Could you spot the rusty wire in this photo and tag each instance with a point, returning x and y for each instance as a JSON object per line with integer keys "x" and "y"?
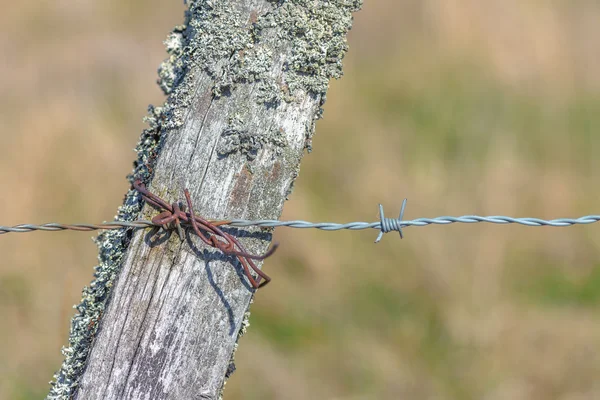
{"x": 208, "y": 231}
{"x": 172, "y": 217}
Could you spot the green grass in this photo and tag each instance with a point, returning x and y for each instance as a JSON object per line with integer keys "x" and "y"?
{"x": 287, "y": 331}
{"x": 553, "y": 287}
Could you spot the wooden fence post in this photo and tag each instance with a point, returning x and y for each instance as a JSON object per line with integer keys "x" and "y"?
{"x": 246, "y": 80}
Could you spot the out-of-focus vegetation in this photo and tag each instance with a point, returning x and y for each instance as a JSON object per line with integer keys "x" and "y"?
{"x": 468, "y": 107}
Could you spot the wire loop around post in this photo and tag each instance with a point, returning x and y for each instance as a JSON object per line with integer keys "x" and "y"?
{"x": 172, "y": 216}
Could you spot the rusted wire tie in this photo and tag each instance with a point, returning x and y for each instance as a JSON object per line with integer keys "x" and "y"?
{"x": 172, "y": 217}
{"x": 208, "y": 231}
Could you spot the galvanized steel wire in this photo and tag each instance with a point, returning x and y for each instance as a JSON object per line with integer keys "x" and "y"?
{"x": 384, "y": 225}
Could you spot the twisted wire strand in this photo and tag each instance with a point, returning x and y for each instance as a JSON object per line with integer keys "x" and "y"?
{"x": 445, "y": 220}
{"x": 384, "y": 225}
{"x": 53, "y": 227}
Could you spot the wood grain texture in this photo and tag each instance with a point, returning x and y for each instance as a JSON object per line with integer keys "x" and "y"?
{"x": 241, "y": 112}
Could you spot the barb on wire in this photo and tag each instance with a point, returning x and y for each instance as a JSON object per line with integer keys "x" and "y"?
{"x": 174, "y": 216}
{"x": 385, "y": 225}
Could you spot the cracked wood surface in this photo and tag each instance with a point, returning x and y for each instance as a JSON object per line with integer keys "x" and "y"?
{"x": 171, "y": 325}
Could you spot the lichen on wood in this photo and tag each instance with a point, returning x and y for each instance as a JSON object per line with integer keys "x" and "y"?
{"x": 245, "y": 80}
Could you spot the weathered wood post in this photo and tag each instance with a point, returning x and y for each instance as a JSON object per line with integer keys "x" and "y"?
{"x": 246, "y": 80}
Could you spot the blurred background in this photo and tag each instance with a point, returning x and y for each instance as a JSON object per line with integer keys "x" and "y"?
{"x": 464, "y": 107}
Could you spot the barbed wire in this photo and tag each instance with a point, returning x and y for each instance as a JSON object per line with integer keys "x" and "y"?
{"x": 384, "y": 225}
{"x": 53, "y": 227}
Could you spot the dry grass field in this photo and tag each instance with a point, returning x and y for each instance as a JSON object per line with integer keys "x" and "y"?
{"x": 464, "y": 107}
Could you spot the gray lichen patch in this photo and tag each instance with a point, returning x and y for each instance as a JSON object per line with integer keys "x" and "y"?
{"x": 270, "y": 93}
{"x": 176, "y": 77}
{"x": 219, "y": 33}
{"x": 317, "y": 30}
{"x": 172, "y": 68}
{"x": 309, "y": 35}
{"x": 246, "y": 66}
{"x": 239, "y": 139}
